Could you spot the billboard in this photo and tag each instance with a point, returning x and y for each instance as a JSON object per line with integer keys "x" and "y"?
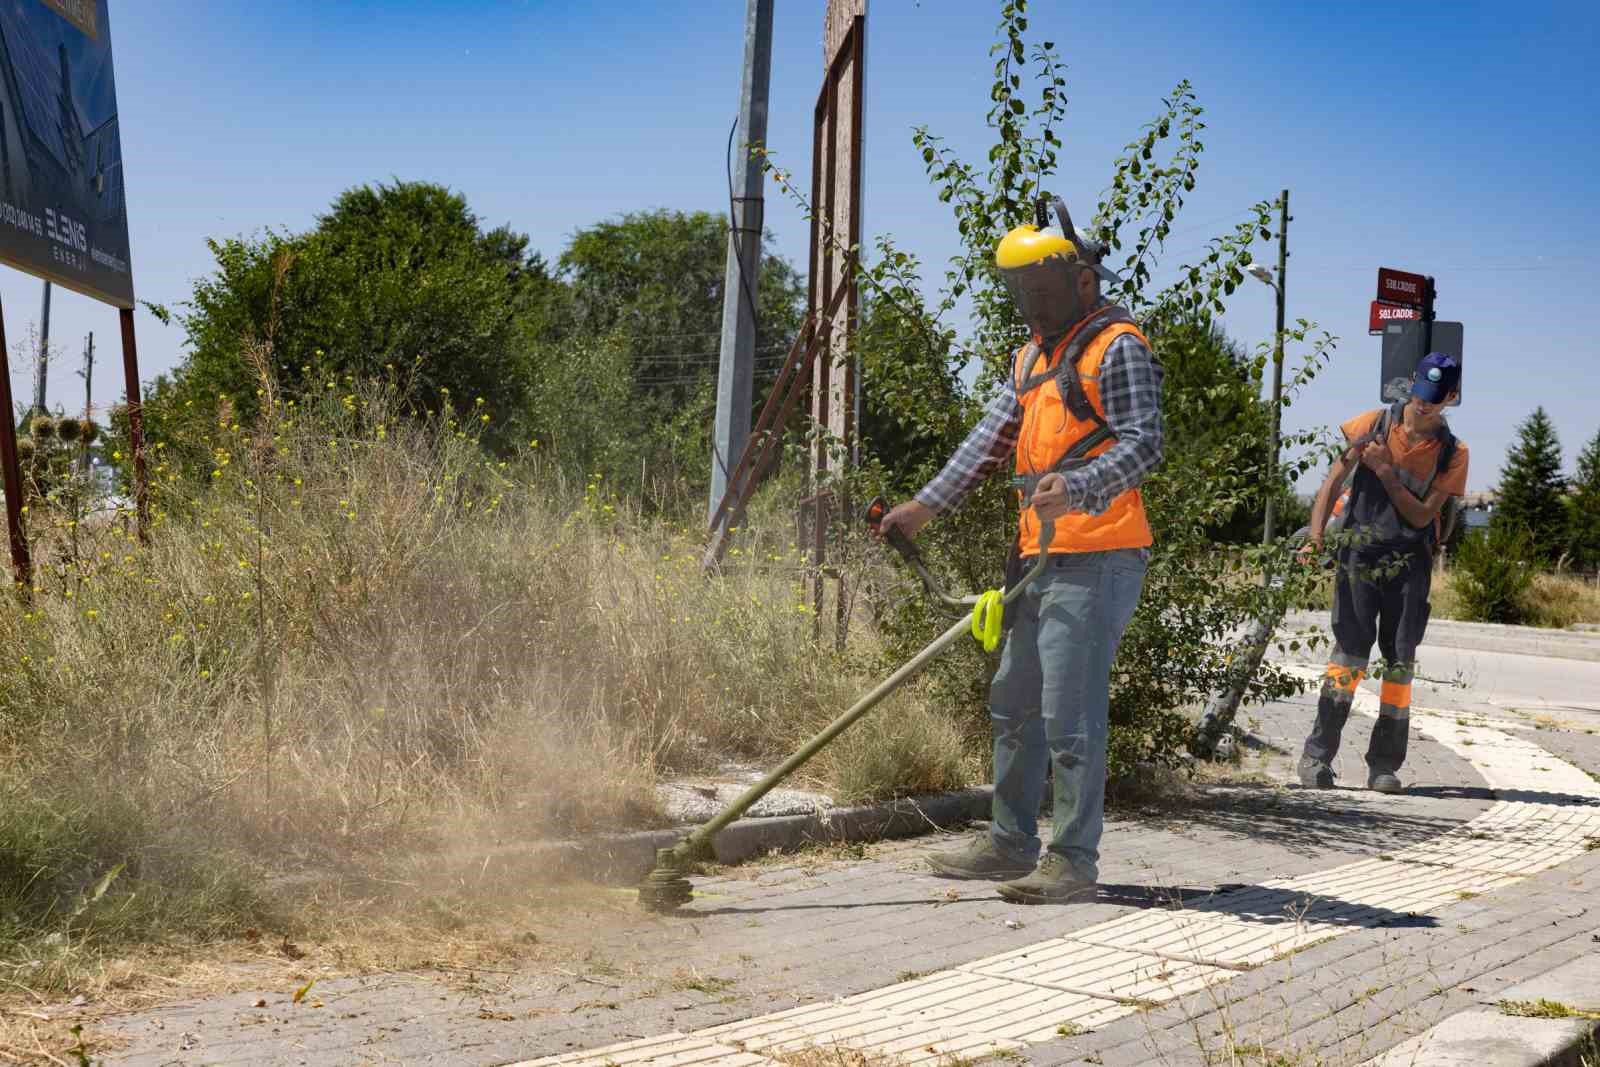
{"x": 63, "y": 215}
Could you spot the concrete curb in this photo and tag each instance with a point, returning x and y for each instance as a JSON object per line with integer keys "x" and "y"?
{"x": 1489, "y": 1037}
{"x": 624, "y": 859}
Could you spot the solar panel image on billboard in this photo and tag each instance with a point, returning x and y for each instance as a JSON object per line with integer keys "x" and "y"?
{"x": 63, "y": 215}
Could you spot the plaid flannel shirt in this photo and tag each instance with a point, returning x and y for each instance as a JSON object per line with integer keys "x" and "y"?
{"x": 1130, "y": 391}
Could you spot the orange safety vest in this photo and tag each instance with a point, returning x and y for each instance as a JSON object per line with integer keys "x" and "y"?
{"x": 1049, "y": 430}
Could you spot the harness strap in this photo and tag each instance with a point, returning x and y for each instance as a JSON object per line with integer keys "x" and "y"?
{"x": 1065, "y": 373}
{"x": 1065, "y": 370}
{"x": 1447, "y": 448}
{"x": 1077, "y": 456}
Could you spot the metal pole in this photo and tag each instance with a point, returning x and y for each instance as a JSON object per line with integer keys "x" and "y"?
{"x": 1267, "y": 530}
{"x": 21, "y": 566}
{"x": 736, "y": 369}
{"x": 44, "y": 352}
{"x": 88, "y": 403}
{"x": 1223, "y": 706}
{"x": 130, "y": 371}
{"x": 1428, "y": 295}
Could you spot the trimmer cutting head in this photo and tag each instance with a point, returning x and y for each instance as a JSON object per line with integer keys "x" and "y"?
{"x": 666, "y": 888}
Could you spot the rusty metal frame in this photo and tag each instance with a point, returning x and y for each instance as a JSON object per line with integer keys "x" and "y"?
{"x": 21, "y": 564}
{"x": 11, "y": 466}
{"x": 768, "y": 432}
{"x": 826, "y": 245}
{"x": 830, "y": 284}
{"x": 130, "y": 374}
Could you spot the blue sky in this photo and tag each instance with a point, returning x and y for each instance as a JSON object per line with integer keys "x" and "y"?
{"x": 1455, "y": 139}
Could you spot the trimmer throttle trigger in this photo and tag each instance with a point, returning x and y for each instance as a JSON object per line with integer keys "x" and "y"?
{"x": 875, "y": 512}
{"x": 896, "y": 538}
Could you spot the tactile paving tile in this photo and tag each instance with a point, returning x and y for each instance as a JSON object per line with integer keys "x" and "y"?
{"x": 1520, "y": 856}
{"x": 1278, "y": 906}
{"x": 1217, "y": 939}
{"x": 668, "y": 1050}
{"x": 1118, "y": 973}
{"x": 1398, "y": 888}
{"x": 907, "y": 1040}
{"x": 979, "y": 1003}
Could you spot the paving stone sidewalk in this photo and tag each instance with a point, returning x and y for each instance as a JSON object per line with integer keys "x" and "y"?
{"x": 812, "y": 929}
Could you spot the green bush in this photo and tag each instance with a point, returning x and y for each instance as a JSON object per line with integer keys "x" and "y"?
{"x": 1494, "y": 574}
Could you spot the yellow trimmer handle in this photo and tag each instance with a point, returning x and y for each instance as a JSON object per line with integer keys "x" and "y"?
{"x": 987, "y": 615}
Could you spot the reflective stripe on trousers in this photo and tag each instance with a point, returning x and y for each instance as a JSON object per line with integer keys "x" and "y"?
{"x": 1380, "y": 597}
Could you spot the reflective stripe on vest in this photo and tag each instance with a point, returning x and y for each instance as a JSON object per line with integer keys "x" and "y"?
{"x": 1049, "y": 431}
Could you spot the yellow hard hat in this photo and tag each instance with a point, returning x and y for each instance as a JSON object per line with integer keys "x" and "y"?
{"x": 1027, "y": 245}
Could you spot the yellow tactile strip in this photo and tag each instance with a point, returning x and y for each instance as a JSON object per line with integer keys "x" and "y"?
{"x": 1549, "y": 812}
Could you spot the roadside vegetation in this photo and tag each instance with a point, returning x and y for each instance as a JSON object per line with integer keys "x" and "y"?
{"x": 1559, "y": 601}
{"x": 424, "y": 561}
{"x": 1537, "y": 561}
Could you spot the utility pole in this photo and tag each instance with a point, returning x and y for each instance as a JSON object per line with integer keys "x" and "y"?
{"x": 44, "y": 352}
{"x": 736, "y": 369}
{"x": 1267, "y": 530}
{"x": 88, "y": 389}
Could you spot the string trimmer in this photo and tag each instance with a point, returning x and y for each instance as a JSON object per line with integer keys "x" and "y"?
{"x": 667, "y": 887}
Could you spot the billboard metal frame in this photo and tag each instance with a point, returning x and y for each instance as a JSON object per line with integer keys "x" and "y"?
{"x": 836, "y": 149}
{"x": 820, "y": 360}
{"x": 10, "y": 466}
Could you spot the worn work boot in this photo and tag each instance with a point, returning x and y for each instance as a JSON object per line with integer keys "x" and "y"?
{"x": 978, "y": 859}
{"x": 1384, "y": 782}
{"x": 1314, "y": 774}
{"x": 1052, "y": 882}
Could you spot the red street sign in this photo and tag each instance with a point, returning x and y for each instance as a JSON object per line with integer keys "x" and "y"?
{"x": 1386, "y": 313}
{"x": 1400, "y": 287}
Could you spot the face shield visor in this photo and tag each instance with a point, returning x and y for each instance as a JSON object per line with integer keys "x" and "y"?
{"x": 1045, "y": 294}
{"x": 1045, "y": 289}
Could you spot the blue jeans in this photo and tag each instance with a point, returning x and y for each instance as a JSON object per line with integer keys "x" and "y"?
{"x": 1050, "y": 701}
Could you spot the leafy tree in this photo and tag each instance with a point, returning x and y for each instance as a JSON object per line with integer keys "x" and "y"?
{"x": 914, "y": 407}
{"x": 651, "y": 282}
{"x": 398, "y": 280}
{"x": 1531, "y": 488}
{"x": 1583, "y": 509}
{"x": 641, "y": 309}
{"x": 1202, "y": 361}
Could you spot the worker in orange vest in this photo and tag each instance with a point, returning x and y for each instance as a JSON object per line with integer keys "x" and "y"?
{"x": 1081, "y": 415}
{"x": 1402, "y": 466}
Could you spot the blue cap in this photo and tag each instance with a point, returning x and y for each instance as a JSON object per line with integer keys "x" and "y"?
{"x": 1436, "y": 377}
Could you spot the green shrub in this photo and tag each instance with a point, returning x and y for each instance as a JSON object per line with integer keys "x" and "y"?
{"x": 1494, "y": 573}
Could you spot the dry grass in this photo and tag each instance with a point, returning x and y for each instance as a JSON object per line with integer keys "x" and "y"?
{"x": 1555, "y": 600}
{"x": 40, "y": 1037}
{"x": 355, "y": 639}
